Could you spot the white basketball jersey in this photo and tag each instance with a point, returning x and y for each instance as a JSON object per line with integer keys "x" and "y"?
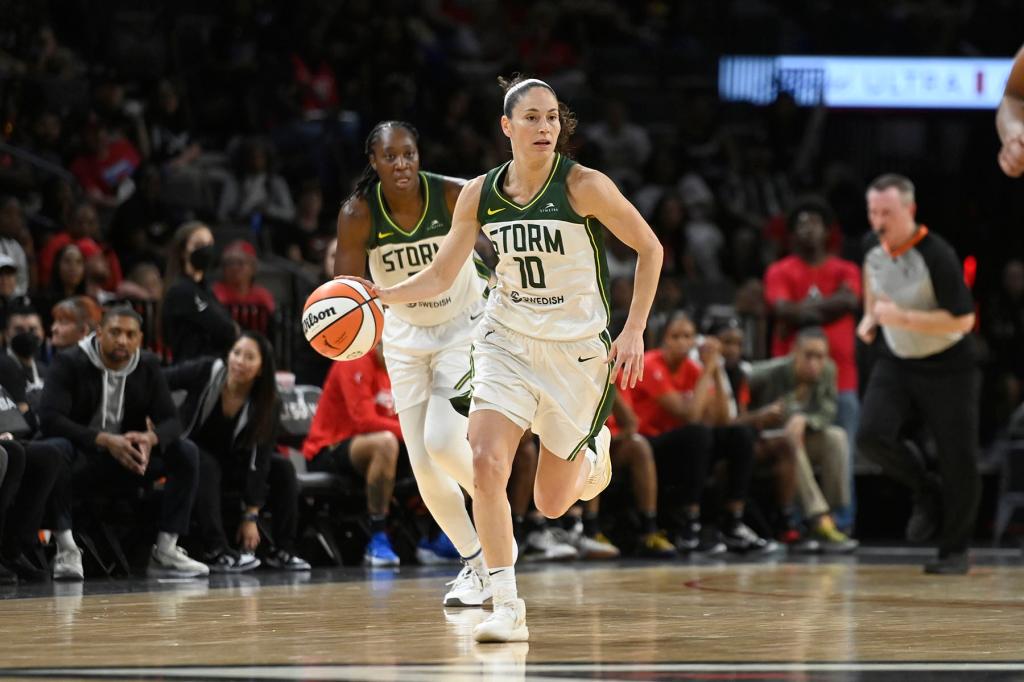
{"x": 552, "y": 275}
{"x": 396, "y": 254}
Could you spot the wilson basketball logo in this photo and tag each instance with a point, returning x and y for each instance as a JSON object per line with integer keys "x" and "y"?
{"x": 312, "y": 318}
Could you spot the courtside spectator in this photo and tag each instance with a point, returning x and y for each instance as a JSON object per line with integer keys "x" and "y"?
{"x": 673, "y": 403}
{"x": 24, "y": 335}
{"x": 797, "y": 393}
{"x": 355, "y": 431}
{"x": 73, "y": 319}
{"x": 194, "y": 322}
{"x": 99, "y": 400}
{"x": 231, "y": 413}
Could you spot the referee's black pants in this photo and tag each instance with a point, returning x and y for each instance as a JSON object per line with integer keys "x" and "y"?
{"x": 947, "y": 403}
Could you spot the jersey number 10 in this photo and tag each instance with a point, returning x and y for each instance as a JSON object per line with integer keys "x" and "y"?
{"x": 531, "y": 271}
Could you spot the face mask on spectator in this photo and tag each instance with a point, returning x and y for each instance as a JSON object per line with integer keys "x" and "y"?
{"x": 203, "y": 258}
{"x": 25, "y": 344}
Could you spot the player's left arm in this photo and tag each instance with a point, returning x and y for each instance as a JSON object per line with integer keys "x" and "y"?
{"x": 1010, "y": 120}
{"x": 592, "y": 193}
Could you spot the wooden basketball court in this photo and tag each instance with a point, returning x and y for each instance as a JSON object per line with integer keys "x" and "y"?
{"x": 815, "y": 619}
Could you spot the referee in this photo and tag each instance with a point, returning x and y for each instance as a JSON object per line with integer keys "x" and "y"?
{"x": 915, "y": 292}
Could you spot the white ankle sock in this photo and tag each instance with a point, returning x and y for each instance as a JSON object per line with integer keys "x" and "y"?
{"x": 503, "y": 584}
{"x": 65, "y": 541}
{"x": 166, "y": 542}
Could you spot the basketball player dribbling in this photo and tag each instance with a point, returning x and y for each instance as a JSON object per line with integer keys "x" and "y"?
{"x": 542, "y": 356}
{"x": 398, "y": 216}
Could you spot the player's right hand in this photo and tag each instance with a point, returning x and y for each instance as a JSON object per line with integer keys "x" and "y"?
{"x": 1011, "y": 157}
{"x": 370, "y": 286}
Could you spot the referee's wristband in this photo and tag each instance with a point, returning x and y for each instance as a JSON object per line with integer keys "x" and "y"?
{"x": 250, "y": 516}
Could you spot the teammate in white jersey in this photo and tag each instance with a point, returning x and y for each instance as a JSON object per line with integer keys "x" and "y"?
{"x": 541, "y": 355}
{"x": 397, "y": 218}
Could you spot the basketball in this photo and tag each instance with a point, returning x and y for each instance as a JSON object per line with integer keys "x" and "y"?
{"x": 342, "y": 320}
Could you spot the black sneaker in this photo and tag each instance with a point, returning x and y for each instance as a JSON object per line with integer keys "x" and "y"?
{"x": 7, "y": 576}
{"x": 711, "y": 544}
{"x": 286, "y": 561}
{"x": 950, "y": 564}
{"x": 230, "y": 561}
{"x": 688, "y": 538}
{"x": 923, "y": 524}
{"x": 740, "y": 538}
{"x": 26, "y": 570}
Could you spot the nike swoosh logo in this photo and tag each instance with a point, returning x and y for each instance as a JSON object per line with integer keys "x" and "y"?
{"x": 579, "y": 359}
{"x": 473, "y": 317}
{"x": 384, "y": 235}
{"x": 488, "y": 333}
{"x": 495, "y": 210}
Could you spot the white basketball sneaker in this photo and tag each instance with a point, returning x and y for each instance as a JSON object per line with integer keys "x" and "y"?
{"x": 174, "y": 564}
{"x": 468, "y": 589}
{"x": 600, "y": 466}
{"x": 506, "y": 624}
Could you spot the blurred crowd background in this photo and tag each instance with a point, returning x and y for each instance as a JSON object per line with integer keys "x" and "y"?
{"x": 123, "y": 121}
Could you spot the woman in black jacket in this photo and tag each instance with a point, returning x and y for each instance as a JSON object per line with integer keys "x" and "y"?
{"x": 231, "y": 413}
{"x": 194, "y": 322}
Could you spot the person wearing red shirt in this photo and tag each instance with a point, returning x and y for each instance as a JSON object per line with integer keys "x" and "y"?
{"x": 812, "y": 288}
{"x": 632, "y": 451}
{"x": 251, "y": 305}
{"x": 83, "y": 231}
{"x": 674, "y": 403}
{"x": 105, "y": 170}
{"x": 355, "y": 431}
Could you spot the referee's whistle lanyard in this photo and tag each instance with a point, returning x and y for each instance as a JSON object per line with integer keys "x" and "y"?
{"x": 921, "y": 233}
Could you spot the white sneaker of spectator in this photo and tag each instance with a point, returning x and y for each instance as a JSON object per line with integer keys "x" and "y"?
{"x": 175, "y": 563}
{"x": 542, "y": 545}
{"x": 67, "y": 565}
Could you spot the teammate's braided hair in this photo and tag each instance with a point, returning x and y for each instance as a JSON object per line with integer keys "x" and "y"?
{"x": 513, "y": 94}
{"x": 369, "y": 176}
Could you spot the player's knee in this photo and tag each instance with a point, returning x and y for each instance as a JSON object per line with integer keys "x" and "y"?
{"x": 490, "y": 471}
{"x": 550, "y": 505}
{"x": 437, "y": 440}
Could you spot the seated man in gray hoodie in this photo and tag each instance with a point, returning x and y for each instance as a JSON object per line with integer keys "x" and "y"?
{"x": 99, "y": 401}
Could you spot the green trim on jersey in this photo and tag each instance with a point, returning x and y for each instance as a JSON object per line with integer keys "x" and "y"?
{"x": 426, "y": 206}
{"x": 501, "y": 174}
{"x": 556, "y": 206}
{"x": 461, "y": 402}
{"x": 434, "y": 221}
{"x": 604, "y": 408}
{"x": 601, "y": 263}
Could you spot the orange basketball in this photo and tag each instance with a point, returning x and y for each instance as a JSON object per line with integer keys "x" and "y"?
{"x": 342, "y": 320}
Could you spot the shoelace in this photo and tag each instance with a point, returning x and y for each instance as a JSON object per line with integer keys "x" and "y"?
{"x": 467, "y": 574}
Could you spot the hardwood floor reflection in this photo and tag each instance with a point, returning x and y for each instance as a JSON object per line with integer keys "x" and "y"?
{"x": 737, "y": 612}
